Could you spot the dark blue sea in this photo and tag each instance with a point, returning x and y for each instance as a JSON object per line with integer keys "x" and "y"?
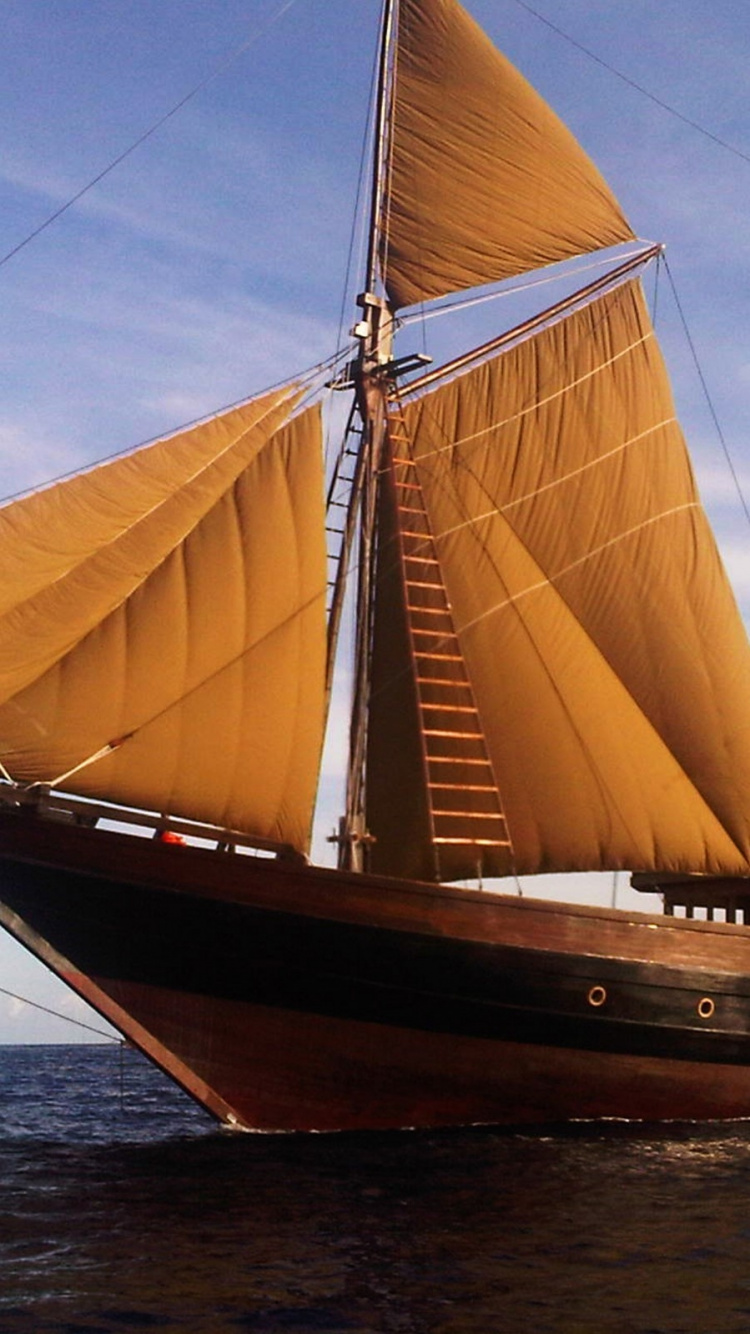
{"x": 122, "y": 1207}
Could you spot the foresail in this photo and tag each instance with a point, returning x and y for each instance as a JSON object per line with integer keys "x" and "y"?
{"x": 607, "y": 659}
{"x": 162, "y": 636}
{"x": 483, "y": 181}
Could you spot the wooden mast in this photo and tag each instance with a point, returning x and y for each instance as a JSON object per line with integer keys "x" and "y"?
{"x": 374, "y": 334}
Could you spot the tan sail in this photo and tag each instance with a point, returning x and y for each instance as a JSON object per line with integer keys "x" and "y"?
{"x": 607, "y": 658}
{"x": 484, "y": 181}
{"x": 170, "y": 606}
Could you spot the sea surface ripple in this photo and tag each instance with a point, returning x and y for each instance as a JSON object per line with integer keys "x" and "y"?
{"x": 122, "y": 1207}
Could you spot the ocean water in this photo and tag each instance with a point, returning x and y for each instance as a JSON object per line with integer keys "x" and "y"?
{"x": 122, "y": 1208}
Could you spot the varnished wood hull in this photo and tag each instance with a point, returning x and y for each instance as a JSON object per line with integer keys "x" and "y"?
{"x": 294, "y": 998}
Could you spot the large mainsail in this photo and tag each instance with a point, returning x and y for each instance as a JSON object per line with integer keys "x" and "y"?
{"x": 608, "y": 667}
{"x": 483, "y": 180}
{"x": 162, "y": 636}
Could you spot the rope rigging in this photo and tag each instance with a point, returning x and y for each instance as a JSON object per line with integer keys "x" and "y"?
{"x": 24, "y": 1000}
{"x": 147, "y": 134}
{"x": 707, "y": 395}
{"x": 631, "y": 83}
{"x": 260, "y": 32}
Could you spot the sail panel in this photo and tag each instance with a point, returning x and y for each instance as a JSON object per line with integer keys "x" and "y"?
{"x": 608, "y": 660}
{"x": 73, "y": 552}
{"x": 484, "y": 181}
{"x": 191, "y": 639}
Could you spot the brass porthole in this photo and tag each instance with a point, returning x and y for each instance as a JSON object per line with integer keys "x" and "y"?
{"x": 705, "y": 1007}
{"x": 597, "y": 996}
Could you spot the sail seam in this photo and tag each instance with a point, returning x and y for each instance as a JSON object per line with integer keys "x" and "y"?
{"x": 538, "y": 403}
{"x": 595, "y": 551}
{"x": 111, "y": 746}
{"x": 142, "y": 518}
{"x": 558, "y": 481}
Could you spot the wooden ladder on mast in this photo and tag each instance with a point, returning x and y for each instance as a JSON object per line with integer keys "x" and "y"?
{"x": 464, "y": 800}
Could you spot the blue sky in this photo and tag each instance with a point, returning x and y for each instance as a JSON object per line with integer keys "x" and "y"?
{"x": 213, "y": 261}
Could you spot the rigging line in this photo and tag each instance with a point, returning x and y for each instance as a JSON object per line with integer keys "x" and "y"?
{"x": 707, "y": 395}
{"x": 562, "y": 479}
{"x": 421, "y": 315}
{"x": 381, "y": 132}
{"x": 538, "y": 402}
{"x": 631, "y": 83}
{"x": 609, "y": 284}
{"x": 305, "y": 380}
{"x": 356, "y": 225}
{"x": 199, "y": 471}
{"x": 617, "y": 293}
{"x": 550, "y": 580}
{"x": 147, "y": 134}
{"x": 422, "y": 221}
{"x": 57, "y": 1015}
{"x": 657, "y": 290}
{"x": 383, "y": 138}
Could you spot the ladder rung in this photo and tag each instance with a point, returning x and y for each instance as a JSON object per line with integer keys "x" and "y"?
{"x": 425, "y": 583}
{"x": 464, "y": 736}
{"x": 450, "y": 708}
{"x": 436, "y": 634}
{"x": 441, "y": 681}
{"x": 462, "y": 787}
{"x": 470, "y": 815}
{"x": 436, "y": 657}
{"x": 476, "y": 842}
{"x": 424, "y": 560}
{"x": 457, "y": 759}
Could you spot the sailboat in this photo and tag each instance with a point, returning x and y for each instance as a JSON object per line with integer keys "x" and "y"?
{"x": 550, "y": 675}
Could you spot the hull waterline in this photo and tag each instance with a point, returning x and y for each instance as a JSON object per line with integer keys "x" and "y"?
{"x": 293, "y": 998}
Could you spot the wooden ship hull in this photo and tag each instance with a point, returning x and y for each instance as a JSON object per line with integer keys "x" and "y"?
{"x": 286, "y": 997}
